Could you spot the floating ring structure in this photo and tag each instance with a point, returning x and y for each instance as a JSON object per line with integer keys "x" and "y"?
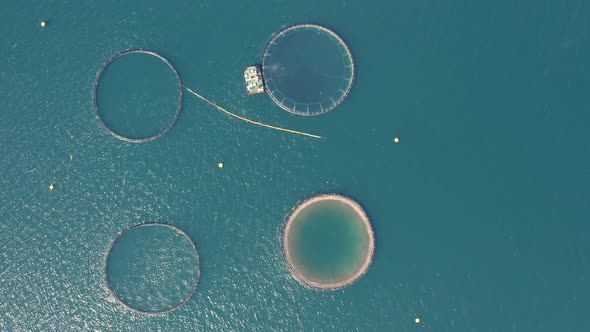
{"x": 95, "y": 101}
{"x": 159, "y": 311}
{"x": 358, "y": 245}
{"x": 308, "y": 69}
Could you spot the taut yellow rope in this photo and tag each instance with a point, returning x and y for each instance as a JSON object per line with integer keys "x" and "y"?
{"x": 248, "y": 120}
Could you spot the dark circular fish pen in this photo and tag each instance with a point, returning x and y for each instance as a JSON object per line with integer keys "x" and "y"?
{"x": 95, "y": 101}
{"x": 156, "y": 312}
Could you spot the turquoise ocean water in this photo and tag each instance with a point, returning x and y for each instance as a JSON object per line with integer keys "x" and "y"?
{"x": 480, "y": 212}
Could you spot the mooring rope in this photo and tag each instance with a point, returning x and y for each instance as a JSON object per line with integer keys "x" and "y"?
{"x": 248, "y": 120}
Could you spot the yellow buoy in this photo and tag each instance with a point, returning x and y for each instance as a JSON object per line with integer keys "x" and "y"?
{"x": 396, "y": 139}
{"x": 220, "y": 165}
{"x": 417, "y": 320}
{"x": 51, "y": 186}
{"x": 43, "y": 24}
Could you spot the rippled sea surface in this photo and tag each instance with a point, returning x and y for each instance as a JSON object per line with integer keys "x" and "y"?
{"x": 480, "y": 212}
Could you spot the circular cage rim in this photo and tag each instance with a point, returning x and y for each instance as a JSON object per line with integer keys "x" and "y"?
{"x": 157, "y": 312}
{"x": 339, "y": 39}
{"x": 370, "y": 254}
{"x": 95, "y": 98}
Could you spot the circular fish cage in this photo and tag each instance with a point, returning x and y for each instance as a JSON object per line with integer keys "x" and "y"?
{"x": 308, "y": 69}
{"x": 328, "y": 242}
{"x": 152, "y": 268}
{"x": 117, "y": 127}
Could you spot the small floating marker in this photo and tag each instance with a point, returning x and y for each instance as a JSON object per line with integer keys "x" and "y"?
{"x": 51, "y": 186}
{"x": 417, "y": 320}
{"x": 43, "y": 24}
{"x": 220, "y": 165}
{"x": 396, "y": 140}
